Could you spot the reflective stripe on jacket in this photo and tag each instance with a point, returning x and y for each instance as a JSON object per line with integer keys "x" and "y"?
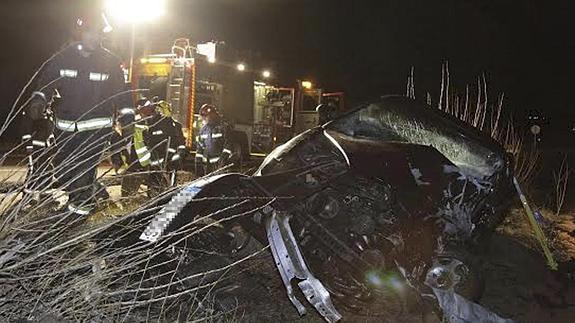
{"x": 142, "y": 151}
{"x": 213, "y": 141}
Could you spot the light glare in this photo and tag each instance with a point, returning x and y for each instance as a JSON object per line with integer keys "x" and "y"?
{"x": 135, "y": 11}
{"x": 241, "y": 67}
{"x": 266, "y": 74}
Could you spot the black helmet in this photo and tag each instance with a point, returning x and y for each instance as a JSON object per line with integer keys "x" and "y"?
{"x": 146, "y": 107}
{"x": 208, "y": 109}
{"x": 143, "y": 102}
{"x": 96, "y": 20}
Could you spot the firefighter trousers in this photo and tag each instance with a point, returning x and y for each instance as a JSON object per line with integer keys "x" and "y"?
{"x": 156, "y": 179}
{"x": 39, "y": 173}
{"x": 77, "y": 157}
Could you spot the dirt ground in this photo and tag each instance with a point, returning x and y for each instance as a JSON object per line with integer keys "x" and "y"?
{"x": 518, "y": 284}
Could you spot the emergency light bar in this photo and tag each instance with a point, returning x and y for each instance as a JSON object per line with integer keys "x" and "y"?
{"x": 153, "y": 60}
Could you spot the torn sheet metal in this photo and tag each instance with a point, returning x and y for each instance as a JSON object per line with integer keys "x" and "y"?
{"x": 291, "y": 265}
{"x": 443, "y": 277}
{"x": 457, "y": 309}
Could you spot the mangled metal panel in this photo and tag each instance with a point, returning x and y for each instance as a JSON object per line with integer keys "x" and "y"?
{"x": 396, "y": 118}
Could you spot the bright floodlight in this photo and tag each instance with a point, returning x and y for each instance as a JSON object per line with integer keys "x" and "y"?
{"x": 266, "y": 74}
{"x": 241, "y": 67}
{"x": 306, "y": 84}
{"x": 207, "y": 49}
{"x": 134, "y": 11}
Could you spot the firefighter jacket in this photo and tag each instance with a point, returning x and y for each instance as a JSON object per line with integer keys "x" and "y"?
{"x": 154, "y": 141}
{"x": 165, "y": 140}
{"x": 37, "y": 134}
{"x": 121, "y": 150}
{"x": 38, "y": 140}
{"x": 213, "y": 143}
{"x": 121, "y": 141}
{"x": 91, "y": 87}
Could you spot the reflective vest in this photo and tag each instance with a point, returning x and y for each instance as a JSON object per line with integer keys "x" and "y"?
{"x": 142, "y": 151}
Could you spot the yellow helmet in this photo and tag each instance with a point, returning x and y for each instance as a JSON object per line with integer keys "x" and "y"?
{"x": 164, "y": 108}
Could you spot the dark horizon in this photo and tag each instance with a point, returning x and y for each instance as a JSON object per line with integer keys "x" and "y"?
{"x": 366, "y": 49}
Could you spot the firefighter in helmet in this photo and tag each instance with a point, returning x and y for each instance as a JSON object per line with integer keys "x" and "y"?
{"x": 91, "y": 84}
{"x": 37, "y": 139}
{"x": 121, "y": 141}
{"x": 156, "y": 152}
{"x": 213, "y": 148}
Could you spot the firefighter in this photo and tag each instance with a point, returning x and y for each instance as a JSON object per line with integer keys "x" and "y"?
{"x": 121, "y": 140}
{"x": 37, "y": 140}
{"x": 91, "y": 83}
{"x": 213, "y": 148}
{"x": 158, "y": 149}
{"x": 123, "y": 149}
{"x": 166, "y": 143}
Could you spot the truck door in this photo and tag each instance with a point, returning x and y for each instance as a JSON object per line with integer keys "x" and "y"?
{"x": 273, "y": 117}
{"x": 335, "y": 99}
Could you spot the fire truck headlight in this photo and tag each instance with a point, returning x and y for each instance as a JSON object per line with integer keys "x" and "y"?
{"x": 306, "y": 84}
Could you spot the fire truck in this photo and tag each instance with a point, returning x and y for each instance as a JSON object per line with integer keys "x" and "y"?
{"x": 262, "y": 116}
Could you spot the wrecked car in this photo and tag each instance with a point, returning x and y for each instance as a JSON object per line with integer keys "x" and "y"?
{"x": 392, "y": 196}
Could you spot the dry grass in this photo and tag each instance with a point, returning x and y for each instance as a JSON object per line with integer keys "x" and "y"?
{"x": 54, "y": 262}
{"x": 560, "y": 230}
{"x": 560, "y": 181}
{"x": 474, "y": 106}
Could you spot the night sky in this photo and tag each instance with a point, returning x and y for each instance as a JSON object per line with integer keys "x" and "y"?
{"x": 364, "y": 48}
